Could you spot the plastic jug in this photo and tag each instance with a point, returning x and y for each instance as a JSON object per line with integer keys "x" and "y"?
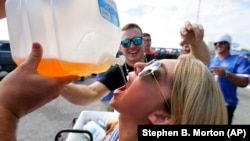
{"x": 79, "y": 37}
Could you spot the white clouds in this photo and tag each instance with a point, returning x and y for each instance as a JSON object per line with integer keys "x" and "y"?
{"x": 163, "y": 18}
{"x": 3, "y": 30}
{"x": 227, "y": 16}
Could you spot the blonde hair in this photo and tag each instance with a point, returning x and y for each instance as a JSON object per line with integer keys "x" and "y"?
{"x": 196, "y": 97}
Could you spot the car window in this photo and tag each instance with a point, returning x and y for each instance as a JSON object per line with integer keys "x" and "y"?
{"x": 5, "y": 46}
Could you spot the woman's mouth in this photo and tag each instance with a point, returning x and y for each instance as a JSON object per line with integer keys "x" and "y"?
{"x": 124, "y": 87}
{"x": 119, "y": 90}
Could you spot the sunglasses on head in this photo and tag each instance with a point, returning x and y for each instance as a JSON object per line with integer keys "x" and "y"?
{"x": 136, "y": 41}
{"x": 220, "y": 43}
{"x": 151, "y": 69}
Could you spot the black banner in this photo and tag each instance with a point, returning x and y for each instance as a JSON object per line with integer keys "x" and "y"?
{"x": 194, "y": 132}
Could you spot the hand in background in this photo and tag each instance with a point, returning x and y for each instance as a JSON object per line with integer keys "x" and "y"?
{"x": 191, "y": 33}
{"x": 220, "y": 71}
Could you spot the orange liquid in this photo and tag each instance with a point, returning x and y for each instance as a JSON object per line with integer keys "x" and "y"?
{"x": 55, "y": 67}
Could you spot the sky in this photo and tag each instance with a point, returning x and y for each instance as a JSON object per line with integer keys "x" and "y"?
{"x": 164, "y": 18}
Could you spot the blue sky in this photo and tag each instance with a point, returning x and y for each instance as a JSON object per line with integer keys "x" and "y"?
{"x": 163, "y": 19}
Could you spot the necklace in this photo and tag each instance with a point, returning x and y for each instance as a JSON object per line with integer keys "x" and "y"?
{"x": 126, "y": 67}
{"x": 127, "y": 70}
{"x": 123, "y": 75}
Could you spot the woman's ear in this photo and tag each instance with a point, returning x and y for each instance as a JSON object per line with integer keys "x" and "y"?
{"x": 160, "y": 118}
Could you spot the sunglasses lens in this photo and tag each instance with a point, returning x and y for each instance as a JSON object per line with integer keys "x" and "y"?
{"x": 150, "y": 68}
{"x": 125, "y": 43}
{"x": 137, "y": 41}
{"x": 220, "y": 43}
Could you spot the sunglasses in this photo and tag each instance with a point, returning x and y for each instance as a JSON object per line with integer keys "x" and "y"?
{"x": 136, "y": 41}
{"x": 151, "y": 70}
{"x": 220, "y": 43}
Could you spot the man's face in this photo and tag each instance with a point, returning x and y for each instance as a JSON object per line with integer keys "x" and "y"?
{"x": 185, "y": 48}
{"x": 221, "y": 47}
{"x": 134, "y": 52}
{"x": 147, "y": 42}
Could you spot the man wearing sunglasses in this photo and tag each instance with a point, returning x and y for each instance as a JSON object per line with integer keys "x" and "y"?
{"x": 230, "y": 70}
{"x": 133, "y": 50}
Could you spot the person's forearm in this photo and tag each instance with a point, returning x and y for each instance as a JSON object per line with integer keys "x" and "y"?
{"x": 2, "y": 9}
{"x": 200, "y": 51}
{"x": 8, "y": 125}
{"x": 82, "y": 94}
{"x": 238, "y": 80}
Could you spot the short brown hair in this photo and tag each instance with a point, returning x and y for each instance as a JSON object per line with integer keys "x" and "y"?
{"x": 146, "y": 35}
{"x": 131, "y": 25}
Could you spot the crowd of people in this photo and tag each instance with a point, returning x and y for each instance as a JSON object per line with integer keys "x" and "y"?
{"x": 169, "y": 87}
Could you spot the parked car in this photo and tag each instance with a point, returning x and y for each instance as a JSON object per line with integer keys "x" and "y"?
{"x": 6, "y": 62}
